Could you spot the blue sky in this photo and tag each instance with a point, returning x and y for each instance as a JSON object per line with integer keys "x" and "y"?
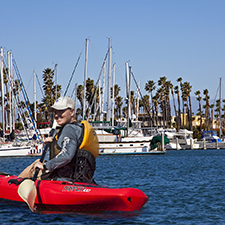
{"x": 158, "y": 37}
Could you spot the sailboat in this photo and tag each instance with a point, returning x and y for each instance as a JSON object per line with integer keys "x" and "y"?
{"x": 132, "y": 140}
{"x": 210, "y": 138}
{"x": 135, "y": 143}
{"x": 128, "y": 137}
{"x": 12, "y": 147}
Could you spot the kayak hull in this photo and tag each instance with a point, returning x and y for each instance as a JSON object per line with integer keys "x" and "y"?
{"x": 63, "y": 196}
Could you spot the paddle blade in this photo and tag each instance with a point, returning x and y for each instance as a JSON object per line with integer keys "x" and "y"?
{"x": 28, "y": 192}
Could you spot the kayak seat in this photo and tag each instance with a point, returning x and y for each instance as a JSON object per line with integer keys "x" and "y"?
{"x": 84, "y": 167}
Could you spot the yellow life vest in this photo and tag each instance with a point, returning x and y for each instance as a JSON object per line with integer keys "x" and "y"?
{"x": 90, "y": 139}
{"x": 89, "y": 142}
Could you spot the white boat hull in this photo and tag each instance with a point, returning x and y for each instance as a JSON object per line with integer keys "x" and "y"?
{"x": 126, "y": 148}
{"x": 14, "y": 151}
{"x": 21, "y": 149}
{"x": 173, "y": 146}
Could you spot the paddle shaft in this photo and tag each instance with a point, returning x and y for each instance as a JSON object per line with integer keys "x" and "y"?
{"x": 41, "y": 160}
{"x": 43, "y": 155}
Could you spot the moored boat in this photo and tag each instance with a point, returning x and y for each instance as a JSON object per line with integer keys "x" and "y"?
{"x": 118, "y": 142}
{"x": 127, "y": 148}
{"x": 9, "y": 149}
{"x": 211, "y": 140}
{"x": 13, "y": 149}
{"x": 64, "y": 196}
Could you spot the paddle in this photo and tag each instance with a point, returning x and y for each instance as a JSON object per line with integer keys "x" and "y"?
{"x": 27, "y": 189}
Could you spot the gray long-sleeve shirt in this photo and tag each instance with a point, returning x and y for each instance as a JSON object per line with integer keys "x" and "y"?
{"x": 69, "y": 140}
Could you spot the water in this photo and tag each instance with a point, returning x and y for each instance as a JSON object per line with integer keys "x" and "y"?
{"x": 184, "y": 187}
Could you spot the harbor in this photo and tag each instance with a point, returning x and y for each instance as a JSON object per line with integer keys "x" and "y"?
{"x": 117, "y": 140}
{"x": 112, "y": 112}
{"x": 128, "y": 125}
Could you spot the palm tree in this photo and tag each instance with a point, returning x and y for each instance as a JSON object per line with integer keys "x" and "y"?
{"x": 184, "y": 100}
{"x": 161, "y": 102}
{"x": 168, "y": 107}
{"x": 150, "y": 87}
{"x": 156, "y": 106}
{"x": 144, "y": 102}
{"x": 206, "y": 107}
{"x": 48, "y": 87}
{"x": 90, "y": 94}
{"x": 170, "y": 85}
{"x": 197, "y": 93}
{"x": 16, "y": 88}
{"x": 59, "y": 88}
{"x": 132, "y": 102}
{"x": 178, "y": 119}
{"x": 180, "y": 81}
{"x": 223, "y": 108}
{"x": 162, "y": 97}
{"x": 119, "y": 103}
{"x": 78, "y": 113}
{"x": 125, "y": 111}
{"x": 187, "y": 88}
{"x": 117, "y": 90}
{"x": 211, "y": 119}
{"x": 6, "y": 97}
{"x": 80, "y": 94}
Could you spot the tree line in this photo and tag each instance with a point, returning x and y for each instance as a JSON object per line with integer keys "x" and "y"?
{"x": 162, "y": 96}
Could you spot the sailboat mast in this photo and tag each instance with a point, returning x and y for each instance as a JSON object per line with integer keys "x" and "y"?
{"x": 3, "y": 97}
{"x": 109, "y": 82}
{"x": 10, "y": 90}
{"x": 75, "y": 98}
{"x": 13, "y": 102}
{"x": 56, "y": 80}
{"x": 129, "y": 89}
{"x": 102, "y": 94}
{"x": 35, "y": 97}
{"x": 128, "y": 74}
{"x": 137, "y": 109}
{"x": 85, "y": 78}
{"x": 113, "y": 94}
{"x": 220, "y": 132}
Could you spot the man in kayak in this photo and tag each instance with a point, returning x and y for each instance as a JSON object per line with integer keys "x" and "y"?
{"x": 72, "y": 150}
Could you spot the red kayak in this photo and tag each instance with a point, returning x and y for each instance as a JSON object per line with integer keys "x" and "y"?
{"x": 63, "y": 196}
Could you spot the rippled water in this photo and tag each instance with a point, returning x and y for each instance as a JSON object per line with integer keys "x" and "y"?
{"x": 184, "y": 187}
